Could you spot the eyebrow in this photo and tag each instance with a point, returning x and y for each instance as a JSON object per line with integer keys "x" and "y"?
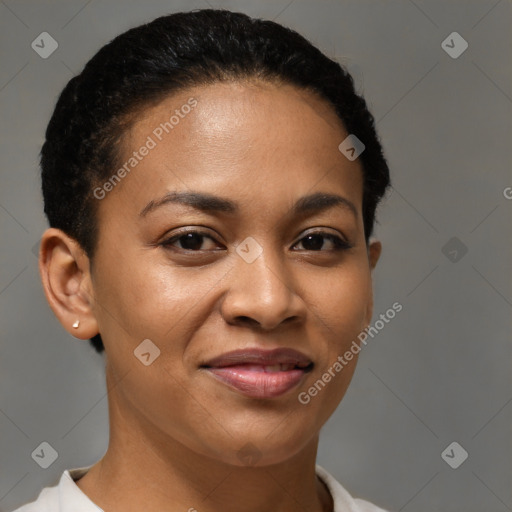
{"x": 208, "y": 203}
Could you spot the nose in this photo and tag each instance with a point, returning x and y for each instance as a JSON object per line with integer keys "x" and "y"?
{"x": 263, "y": 294}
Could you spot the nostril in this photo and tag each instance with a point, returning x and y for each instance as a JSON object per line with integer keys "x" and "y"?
{"x": 247, "y": 320}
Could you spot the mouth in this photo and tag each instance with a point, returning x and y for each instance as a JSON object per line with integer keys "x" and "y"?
{"x": 260, "y": 373}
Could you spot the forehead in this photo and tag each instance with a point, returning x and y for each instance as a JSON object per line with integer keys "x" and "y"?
{"x": 263, "y": 141}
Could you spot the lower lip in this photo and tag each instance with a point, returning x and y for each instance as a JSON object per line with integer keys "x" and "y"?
{"x": 258, "y": 383}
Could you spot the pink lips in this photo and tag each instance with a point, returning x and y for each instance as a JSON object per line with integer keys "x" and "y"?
{"x": 260, "y": 373}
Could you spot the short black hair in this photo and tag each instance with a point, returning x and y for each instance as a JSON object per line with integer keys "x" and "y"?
{"x": 147, "y": 63}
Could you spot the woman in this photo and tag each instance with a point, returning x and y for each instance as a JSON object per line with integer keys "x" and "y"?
{"x": 211, "y": 183}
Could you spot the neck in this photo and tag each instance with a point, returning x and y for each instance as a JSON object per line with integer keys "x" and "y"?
{"x": 148, "y": 470}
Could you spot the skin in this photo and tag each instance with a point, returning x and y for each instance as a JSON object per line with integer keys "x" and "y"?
{"x": 175, "y": 431}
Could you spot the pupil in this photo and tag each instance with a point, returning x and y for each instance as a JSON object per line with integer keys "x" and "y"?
{"x": 312, "y": 245}
{"x": 191, "y": 241}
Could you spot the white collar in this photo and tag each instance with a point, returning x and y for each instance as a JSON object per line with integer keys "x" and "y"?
{"x": 70, "y": 498}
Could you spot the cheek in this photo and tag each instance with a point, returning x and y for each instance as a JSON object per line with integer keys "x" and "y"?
{"x": 166, "y": 306}
{"x": 342, "y": 311}
{"x": 162, "y": 397}
{"x": 157, "y": 301}
{"x": 342, "y": 301}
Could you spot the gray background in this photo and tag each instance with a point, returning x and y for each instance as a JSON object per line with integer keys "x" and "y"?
{"x": 438, "y": 372}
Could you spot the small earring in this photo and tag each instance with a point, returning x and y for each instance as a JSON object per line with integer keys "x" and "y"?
{"x": 76, "y": 324}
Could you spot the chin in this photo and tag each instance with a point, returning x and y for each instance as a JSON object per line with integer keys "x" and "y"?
{"x": 263, "y": 450}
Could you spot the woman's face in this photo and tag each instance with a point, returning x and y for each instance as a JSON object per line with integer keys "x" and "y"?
{"x": 241, "y": 266}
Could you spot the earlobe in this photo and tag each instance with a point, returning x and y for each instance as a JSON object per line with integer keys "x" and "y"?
{"x": 65, "y": 275}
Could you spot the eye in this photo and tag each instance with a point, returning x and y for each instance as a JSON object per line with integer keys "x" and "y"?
{"x": 189, "y": 241}
{"x": 193, "y": 241}
{"x": 315, "y": 242}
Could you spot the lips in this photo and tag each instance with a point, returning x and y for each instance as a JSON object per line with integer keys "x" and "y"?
{"x": 260, "y": 373}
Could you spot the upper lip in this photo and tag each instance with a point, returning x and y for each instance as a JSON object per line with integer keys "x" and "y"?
{"x": 261, "y": 357}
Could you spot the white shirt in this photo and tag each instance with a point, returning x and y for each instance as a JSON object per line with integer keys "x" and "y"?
{"x": 66, "y": 496}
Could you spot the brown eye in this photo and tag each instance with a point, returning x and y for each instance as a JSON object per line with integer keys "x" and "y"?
{"x": 315, "y": 242}
{"x": 189, "y": 241}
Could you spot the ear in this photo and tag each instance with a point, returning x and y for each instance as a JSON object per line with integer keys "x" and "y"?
{"x": 374, "y": 251}
{"x": 65, "y": 273}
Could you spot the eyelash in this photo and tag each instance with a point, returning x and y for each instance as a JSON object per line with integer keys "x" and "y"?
{"x": 338, "y": 242}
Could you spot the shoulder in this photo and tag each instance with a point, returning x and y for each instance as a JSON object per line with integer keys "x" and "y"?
{"x": 65, "y": 496}
{"x": 47, "y": 501}
{"x": 342, "y": 499}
